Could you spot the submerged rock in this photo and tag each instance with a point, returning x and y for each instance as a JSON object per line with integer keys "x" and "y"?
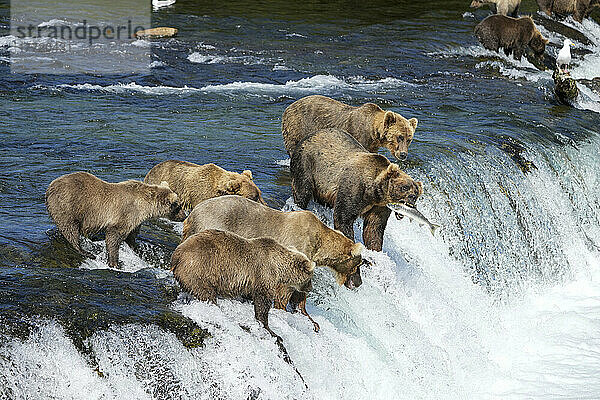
{"x": 565, "y": 87}
{"x": 156, "y": 33}
{"x": 515, "y": 151}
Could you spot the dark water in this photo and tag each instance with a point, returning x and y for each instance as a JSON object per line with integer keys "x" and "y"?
{"x": 482, "y": 121}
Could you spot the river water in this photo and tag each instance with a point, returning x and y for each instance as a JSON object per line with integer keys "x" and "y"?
{"x": 503, "y": 303}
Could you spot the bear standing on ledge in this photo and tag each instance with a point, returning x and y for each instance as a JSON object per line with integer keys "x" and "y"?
{"x": 334, "y": 169}
{"x": 217, "y": 263}
{"x": 580, "y": 9}
{"x": 81, "y": 204}
{"x": 502, "y": 7}
{"x": 369, "y": 124}
{"x": 512, "y": 34}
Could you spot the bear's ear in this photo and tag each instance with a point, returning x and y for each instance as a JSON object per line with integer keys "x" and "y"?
{"x": 165, "y": 184}
{"x": 413, "y": 123}
{"x": 392, "y": 171}
{"x": 248, "y": 173}
{"x": 388, "y": 119}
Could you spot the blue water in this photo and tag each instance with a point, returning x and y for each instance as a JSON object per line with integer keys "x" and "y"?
{"x": 456, "y": 316}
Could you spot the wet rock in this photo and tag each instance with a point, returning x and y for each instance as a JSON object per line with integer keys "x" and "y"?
{"x": 565, "y": 87}
{"x": 156, "y": 33}
{"x": 593, "y": 84}
{"x": 562, "y": 29}
{"x": 186, "y": 330}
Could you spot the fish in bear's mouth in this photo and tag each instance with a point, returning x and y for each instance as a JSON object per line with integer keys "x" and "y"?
{"x": 404, "y": 203}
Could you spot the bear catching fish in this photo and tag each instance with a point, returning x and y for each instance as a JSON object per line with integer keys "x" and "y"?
{"x": 334, "y": 169}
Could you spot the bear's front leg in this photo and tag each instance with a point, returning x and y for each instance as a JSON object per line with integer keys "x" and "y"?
{"x": 113, "y": 241}
{"x": 375, "y": 221}
{"x": 300, "y": 299}
{"x": 518, "y": 53}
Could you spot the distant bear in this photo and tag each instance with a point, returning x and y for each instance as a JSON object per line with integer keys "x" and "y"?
{"x": 334, "y": 169}
{"x": 580, "y": 9}
{"x": 502, "y": 7}
{"x": 217, "y": 263}
{"x": 195, "y": 183}
{"x": 81, "y": 204}
{"x": 512, "y": 34}
{"x": 301, "y": 230}
{"x": 369, "y": 124}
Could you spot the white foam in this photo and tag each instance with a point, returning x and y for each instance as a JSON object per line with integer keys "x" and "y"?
{"x": 158, "y": 4}
{"x": 47, "y": 365}
{"x": 315, "y": 84}
{"x": 293, "y": 34}
{"x": 157, "y": 64}
{"x": 205, "y": 59}
{"x": 279, "y": 67}
{"x": 130, "y": 261}
{"x": 283, "y": 163}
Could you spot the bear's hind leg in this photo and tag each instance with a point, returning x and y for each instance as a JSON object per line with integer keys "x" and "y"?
{"x": 262, "y": 305}
{"x": 374, "y": 223}
{"x": 71, "y": 232}
{"x": 344, "y": 215}
{"x": 113, "y": 241}
{"x": 302, "y": 191}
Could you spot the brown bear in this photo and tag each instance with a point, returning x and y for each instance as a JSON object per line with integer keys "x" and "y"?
{"x": 195, "y": 183}
{"x": 579, "y": 9}
{"x": 502, "y": 7}
{"x": 512, "y": 34}
{"x": 217, "y": 263}
{"x": 331, "y": 167}
{"x": 369, "y": 124}
{"x": 81, "y": 204}
{"x": 301, "y": 230}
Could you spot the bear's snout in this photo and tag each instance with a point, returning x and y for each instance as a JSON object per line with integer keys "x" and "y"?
{"x": 401, "y": 155}
{"x": 177, "y": 213}
{"x": 353, "y": 280}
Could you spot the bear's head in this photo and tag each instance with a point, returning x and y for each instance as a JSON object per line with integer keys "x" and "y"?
{"x": 241, "y": 185}
{"x": 396, "y": 133}
{"x": 538, "y": 43}
{"x": 392, "y": 185}
{"x": 168, "y": 204}
{"x": 343, "y": 256}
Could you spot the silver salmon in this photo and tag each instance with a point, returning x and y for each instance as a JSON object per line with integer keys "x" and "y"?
{"x": 413, "y": 214}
